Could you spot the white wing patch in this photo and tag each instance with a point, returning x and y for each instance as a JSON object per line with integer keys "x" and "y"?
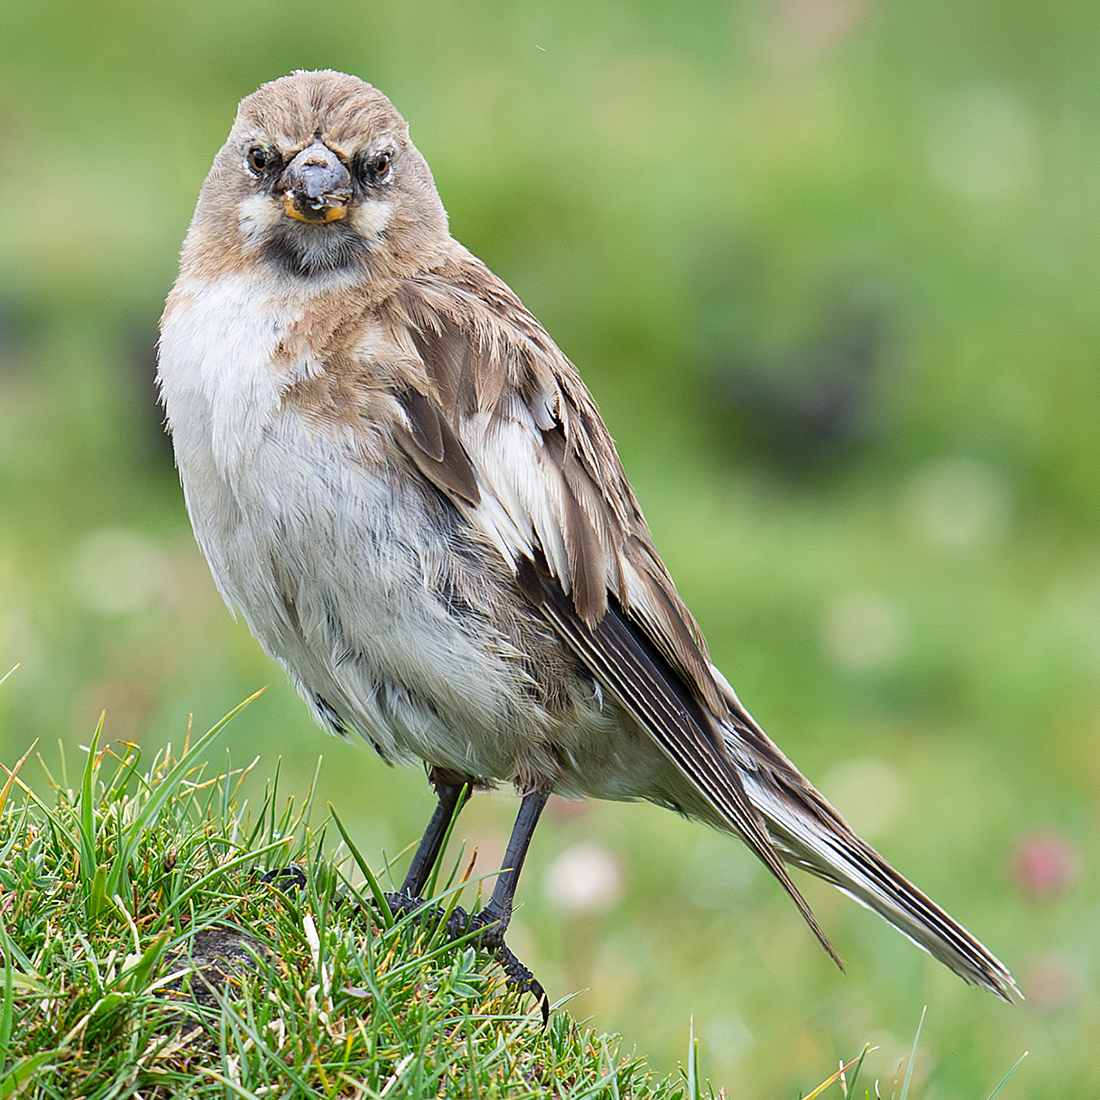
{"x": 521, "y": 502}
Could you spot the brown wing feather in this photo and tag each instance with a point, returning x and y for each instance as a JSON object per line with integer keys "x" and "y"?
{"x": 482, "y": 350}
{"x": 436, "y": 450}
{"x": 613, "y": 602}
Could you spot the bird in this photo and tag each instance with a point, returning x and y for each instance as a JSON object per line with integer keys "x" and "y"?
{"x": 404, "y": 487}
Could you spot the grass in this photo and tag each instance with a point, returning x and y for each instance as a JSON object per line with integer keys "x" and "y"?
{"x": 144, "y": 956}
{"x": 147, "y": 953}
{"x": 903, "y": 1078}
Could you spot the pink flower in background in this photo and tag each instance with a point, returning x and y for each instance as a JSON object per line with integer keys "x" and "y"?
{"x": 1044, "y": 864}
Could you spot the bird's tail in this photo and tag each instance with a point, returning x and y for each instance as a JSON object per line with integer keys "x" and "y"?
{"x": 810, "y": 834}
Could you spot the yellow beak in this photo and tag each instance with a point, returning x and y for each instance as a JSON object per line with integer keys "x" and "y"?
{"x": 325, "y": 208}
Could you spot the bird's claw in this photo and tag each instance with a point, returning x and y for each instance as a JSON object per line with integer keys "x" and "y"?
{"x": 486, "y": 934}
{"x": 519, "y": 977}
{"x": 484, "y": 926}
{"x": 288, "y": 879}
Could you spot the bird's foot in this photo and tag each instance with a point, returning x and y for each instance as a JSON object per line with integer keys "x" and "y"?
{"x": 485, "y": 926}
{"x": 487, "y": 935}
{"x": 288, "y": 879}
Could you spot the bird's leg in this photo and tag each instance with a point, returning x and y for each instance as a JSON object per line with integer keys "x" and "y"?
{"x": 491, "y": 922}
{"x": 495, "y": 916}
{"x": 453, "y": 792}
{"x": 452, "y": 797}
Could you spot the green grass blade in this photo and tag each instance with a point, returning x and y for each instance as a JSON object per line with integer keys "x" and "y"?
{"x": 376, "y": 890}
{"x": 1004, "y": 1080}
{"x": 692, "y": 1063}
{"x": 433, "y": 879}
{"x": 912, "y": 1057}
{"x": 199, "y": 886}
{"x": 12, "y": 1081}
{"x": 166, "y": 789}
{"x": 97, "y": 893}
{"x": 134, "y": 979}
{"x": 12, "y": 773}
{"x": 7, "y": 1008}
{"x": 237, "y": 1090}
{"x": 850, "y": 1091}
{"x": 86, "y": 817}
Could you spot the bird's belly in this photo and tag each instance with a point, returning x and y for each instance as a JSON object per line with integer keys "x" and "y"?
{"x": 346, "y": 573}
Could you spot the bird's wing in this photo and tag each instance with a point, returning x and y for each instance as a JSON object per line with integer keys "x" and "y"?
{"x": 503, "y": 425}
{"x": 624, "y": 660}
{"x": 506, "y": 429}
{"x": 810, "y": 834}
{"x": 501, "y": 402}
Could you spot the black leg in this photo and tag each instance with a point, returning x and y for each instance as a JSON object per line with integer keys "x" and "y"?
{"x": 492, "y": 922}
{"x": 451, "y": 800}
{"x": 493, "y": 919}
{"x": 499, "y": 910}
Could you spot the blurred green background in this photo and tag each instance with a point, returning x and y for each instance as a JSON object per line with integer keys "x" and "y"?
{"x": 831, "y": 269}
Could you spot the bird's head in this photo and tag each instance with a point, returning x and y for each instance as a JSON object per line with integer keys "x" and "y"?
{"x": 317, "y": 177}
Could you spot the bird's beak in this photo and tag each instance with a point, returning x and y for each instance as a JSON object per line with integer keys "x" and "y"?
{"x": 316, "y": 186}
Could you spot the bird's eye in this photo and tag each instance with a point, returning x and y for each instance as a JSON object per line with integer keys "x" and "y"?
{"x": 377, "y": 166}
{"x": 257, "y": 159}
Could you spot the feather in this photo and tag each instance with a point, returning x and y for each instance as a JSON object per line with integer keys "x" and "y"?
{"x": 638, "y": 677}
{"x": 436, "y": 450}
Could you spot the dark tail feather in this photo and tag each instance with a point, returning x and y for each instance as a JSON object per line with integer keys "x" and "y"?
{"x": 812, "y": 835}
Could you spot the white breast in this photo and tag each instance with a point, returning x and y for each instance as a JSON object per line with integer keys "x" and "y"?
{"x": 221, "y": 395}
{"x": 216, "y": 352}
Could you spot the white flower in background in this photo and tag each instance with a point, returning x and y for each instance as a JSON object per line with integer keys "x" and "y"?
{"x": 980, "y": 144}
{"x": 956, "y": 503}
{"x": 868, "y": 792}
{"x": 116, "y": 571}
{"x": 584, "y": 878}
